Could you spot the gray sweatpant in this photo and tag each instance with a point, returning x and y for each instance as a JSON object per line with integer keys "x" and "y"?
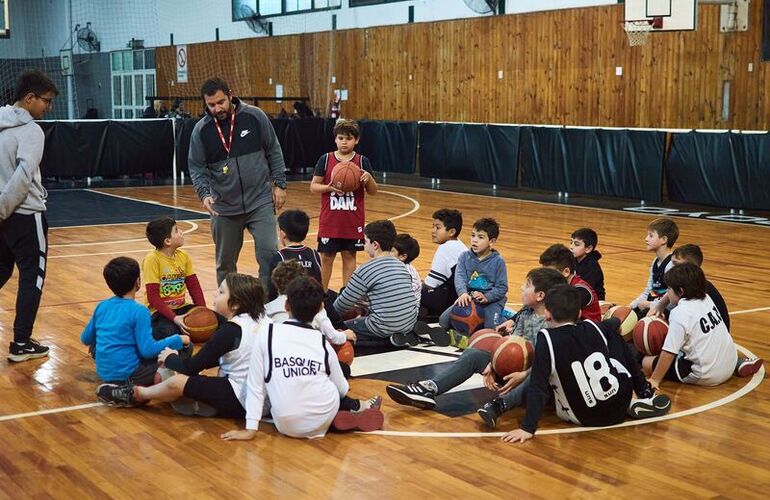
{"x": 227, "y": 231}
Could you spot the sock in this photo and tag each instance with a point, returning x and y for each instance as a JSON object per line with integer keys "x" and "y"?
{"x": 429, "y": 385}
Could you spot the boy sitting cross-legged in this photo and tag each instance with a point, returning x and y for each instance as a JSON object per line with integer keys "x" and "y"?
{"x": 529, "y": 320}
{"x": 560, "y": 258}
{"x": 698, "y": 348}
{"x": 480, "y": 277}
{"x": 240, "y": 298}
{"x": 587, "y": 369}
{"x": 119, "y": 334}
{"x": 747, "y": 366}
{"x": 438, "y": 291}
{"x": 293, "y": 226}
{"x": 291, "y": 376}
{"x": 387, "y": 286}
{"x": 662, "y": 233}
{"x": 583, "y": 243}
{"x": 168, "y": 276}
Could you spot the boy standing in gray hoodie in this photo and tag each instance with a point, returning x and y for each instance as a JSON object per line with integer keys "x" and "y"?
{"x": 23, "y": 228}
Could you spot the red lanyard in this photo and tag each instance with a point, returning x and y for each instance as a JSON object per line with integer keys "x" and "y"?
{"x": 229, "y": 144}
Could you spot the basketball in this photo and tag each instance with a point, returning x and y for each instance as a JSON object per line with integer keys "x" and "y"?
{"x": 346, "y": 176}
{"x": 485, "y": 339}
{"x": 345, "y": 353}
{"x": 201, "y": 322}
{"x": 649, "y": 335}
{"x": 468, "y": 319}
{"x": 627, "y": 319}
{"x": 512, "y": 354}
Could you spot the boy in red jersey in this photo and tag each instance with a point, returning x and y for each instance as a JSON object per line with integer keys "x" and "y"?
{"x": 341, "y": 224}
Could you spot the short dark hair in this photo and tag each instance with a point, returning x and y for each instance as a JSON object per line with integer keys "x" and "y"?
{"x": 563, "y": 302}
{"x": 406, "y": 245}
{"x": 687, "y": 280}
{"x": 121, "y": 274}
{"x": 489, "y": 226}
{"x": 545, "y": 278}
{"x": 691, "y": 253}
{"x": 587, "y": 235}
{"x": 246, "y": 295}
{"x": 35, "y": 81}
{"x": 558, "y": 256}
{"x": 305, "y": 296}
{"x": 665, "y": 226}
{"x": 346, "y": 127}
{"x": 285, "y": 272}
{"x": 295, "y": 223}
{"x": 214, "y": 85}
{"x": 383, "y": 232}
{"x": 452, "y": 219}
{"x": 158, "y": 230}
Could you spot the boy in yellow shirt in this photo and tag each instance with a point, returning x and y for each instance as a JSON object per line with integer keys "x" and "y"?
{"x": 168, "y": 276}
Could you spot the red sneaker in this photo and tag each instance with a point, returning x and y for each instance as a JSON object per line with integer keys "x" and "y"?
{"x": 749, "y": 366}
{"x": 364, "y": 421}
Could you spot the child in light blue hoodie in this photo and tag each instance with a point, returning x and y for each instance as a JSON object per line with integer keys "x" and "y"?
{"x": 481, "y": 275}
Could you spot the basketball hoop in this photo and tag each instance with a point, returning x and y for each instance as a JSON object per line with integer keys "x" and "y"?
{"x": 638, "y": 31}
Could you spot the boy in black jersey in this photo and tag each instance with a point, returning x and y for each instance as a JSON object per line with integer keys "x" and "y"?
{"x": 589, "y": 370}
{"x": 293, "y": 226}
{"x": 662, "y": 233}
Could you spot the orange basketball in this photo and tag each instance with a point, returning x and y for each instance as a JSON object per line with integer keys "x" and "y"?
{"x": 485, "y": 339}
{"x": 649, "y": 335}
{"x": 512, "y": 354}
{"x": 467, "y": 319}
{"x": 345, "y": 353}
{"x": 201, "y": 322}
{"x": 627, "y": 318}
{"x": 346, "y": 176}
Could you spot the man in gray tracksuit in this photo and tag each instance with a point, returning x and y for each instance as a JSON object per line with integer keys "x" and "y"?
{"x": 23, "y": 228}
{"x": 237, "y": 167}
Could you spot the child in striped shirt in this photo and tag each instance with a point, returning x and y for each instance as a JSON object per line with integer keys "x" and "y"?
{"x": 387, "y": 286}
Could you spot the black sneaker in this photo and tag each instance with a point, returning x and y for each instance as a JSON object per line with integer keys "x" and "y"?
{"x": 649, "y": 407}
{"x": 404, "y": 339}
{"x": 412, "y": 395}
{"x": 438, "y": 335}
{"x": 120, "y": 395}
{"x": 491, "y": 411}
{"x": 29, "y": 350}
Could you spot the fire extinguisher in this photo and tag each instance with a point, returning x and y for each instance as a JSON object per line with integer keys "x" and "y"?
{"x": 334, "y": 108}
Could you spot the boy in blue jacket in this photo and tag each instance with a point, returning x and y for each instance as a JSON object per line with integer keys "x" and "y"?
{"x": 119, "y": 334}
{"x": 480, "y": 276}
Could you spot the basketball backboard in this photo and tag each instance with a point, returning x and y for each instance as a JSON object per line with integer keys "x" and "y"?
{"x": 675, "y": 15}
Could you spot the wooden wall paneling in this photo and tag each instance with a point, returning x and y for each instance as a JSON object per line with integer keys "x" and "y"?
{"x": 559, "y": 68}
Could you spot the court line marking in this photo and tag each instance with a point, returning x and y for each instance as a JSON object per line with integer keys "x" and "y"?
{"x": 117, "y": 242}
{"x": 415, "y": 207}
{"x": 755, "y": 380}
{"x": 746, "y": 311}
{"x": 752, "y": 384}
{"x": 50, "y": 411}
{"x": 202, "y": 212}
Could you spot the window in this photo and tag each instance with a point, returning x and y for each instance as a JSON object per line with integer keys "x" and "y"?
{"x": 243, "y": 9}
{"x": 133, "y": 79}
{"x": 138, "y": 59}
{"x": 149, "y": 59}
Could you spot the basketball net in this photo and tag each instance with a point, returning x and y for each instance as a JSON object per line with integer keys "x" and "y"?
{"x": 638, "y": 32}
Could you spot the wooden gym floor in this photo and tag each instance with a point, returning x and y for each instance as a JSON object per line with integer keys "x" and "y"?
{"x": 715, "y": 446}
